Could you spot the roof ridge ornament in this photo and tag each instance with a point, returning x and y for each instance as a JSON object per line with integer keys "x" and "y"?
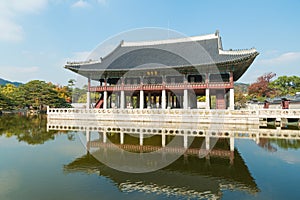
{"x": 217, "y": 33}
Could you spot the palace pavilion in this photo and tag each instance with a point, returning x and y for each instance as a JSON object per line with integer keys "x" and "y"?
{"x": 188, "y": 73}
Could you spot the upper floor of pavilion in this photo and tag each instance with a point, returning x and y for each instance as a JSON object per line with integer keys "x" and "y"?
{"x": 187, "y": 56}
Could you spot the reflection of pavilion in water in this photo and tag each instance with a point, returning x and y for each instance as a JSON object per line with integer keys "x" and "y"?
{"x": 191, "y": 175}
{"x": 188, "y": 176}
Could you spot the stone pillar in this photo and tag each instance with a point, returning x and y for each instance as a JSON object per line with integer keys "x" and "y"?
{"x": 163, "y": 140}
{"x": 207, "y": 143}
{"x": 105, "y": 100}
{"x": 141, "y": 139}
{"x": 122, "y": 104}
{"x": 231, "y": 143}
{"x": 163, "y": 99}
{"x": 121, "y": 137}
{"x": 257, "y": 138}
{"x": 88, "y": 95}
{"x": 185, "y": 99}
{"x": 104, "y": 139}
{"x": 231, "y": 99}
{"x": 185, "y": 141}
{"x": 88, "y": 135}
{"x": 141, "y": 99}
{"x": 207, "y": 99}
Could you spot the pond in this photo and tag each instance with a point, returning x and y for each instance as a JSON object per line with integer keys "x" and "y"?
{"x": 37, "y": 163}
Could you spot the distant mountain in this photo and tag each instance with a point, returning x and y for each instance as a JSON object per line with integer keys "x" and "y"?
{"x": 4, "y": 82}
{"x": 243, "y": 87}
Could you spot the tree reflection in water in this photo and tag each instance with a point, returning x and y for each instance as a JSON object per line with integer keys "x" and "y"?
{"x": 29, "y": 129}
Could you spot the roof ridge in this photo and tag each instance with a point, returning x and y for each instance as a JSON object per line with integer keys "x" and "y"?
{"x": 237, "y": 51}
{"x": 170, "y": 41}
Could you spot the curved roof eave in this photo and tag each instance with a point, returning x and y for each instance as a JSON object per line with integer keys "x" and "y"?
{"x": 233, "y": 61}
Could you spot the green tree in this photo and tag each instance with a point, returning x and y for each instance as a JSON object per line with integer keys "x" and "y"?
{"x": 8, "y": 89}
{"x": 38, "y": 94}
{"x": 79, "y": 95}
{"x": 6, "y": 103}
{"x": 286, "y": 85}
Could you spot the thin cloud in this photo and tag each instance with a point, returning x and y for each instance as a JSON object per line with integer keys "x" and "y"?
{"x": 103, "y": 2}
{"x": 10, "y": 10}
{"x": 10, "y": 31}
{"x": 80, "y": 4}
{"x": 282, "y": 64}
{"x": 18, "y": 73}
{"x": 281, "y": 60}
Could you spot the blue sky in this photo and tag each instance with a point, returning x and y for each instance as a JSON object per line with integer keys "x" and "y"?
{"x": 37, "y": 37}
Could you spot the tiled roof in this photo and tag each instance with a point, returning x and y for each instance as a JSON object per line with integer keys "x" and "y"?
{"x": 193, "y": 51}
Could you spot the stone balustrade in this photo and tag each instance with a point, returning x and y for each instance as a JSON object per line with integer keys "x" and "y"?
{"x": 172, "y": 115}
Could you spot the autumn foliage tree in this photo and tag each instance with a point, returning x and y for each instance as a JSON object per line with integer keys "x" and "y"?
{"x": 261, "y": 88}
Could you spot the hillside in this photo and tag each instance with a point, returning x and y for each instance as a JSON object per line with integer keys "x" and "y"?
{"x": 4, "y": 82}
{"x": 242, "y": 87}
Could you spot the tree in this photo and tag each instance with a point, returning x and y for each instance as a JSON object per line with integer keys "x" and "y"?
{"x": 64, "y": 92}
{"x": 37, "y": 94}
{"x": 8, "y": 89}
{"x": 6, "y": 103}
{"x": 239, "y": 97}
{"x": 261, "y": 88}
{"x": 79, "y": 95}
{"x": 71, "y": 84}
{"x": 286, "y": 85}
{"x": 8, "y": 96}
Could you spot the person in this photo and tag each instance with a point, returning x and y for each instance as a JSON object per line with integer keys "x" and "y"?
{"x": 285, "y": 103}
{"x": 266, "y": 104}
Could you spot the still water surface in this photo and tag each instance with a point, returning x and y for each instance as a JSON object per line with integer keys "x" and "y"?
{"x": 36, "y": 164}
